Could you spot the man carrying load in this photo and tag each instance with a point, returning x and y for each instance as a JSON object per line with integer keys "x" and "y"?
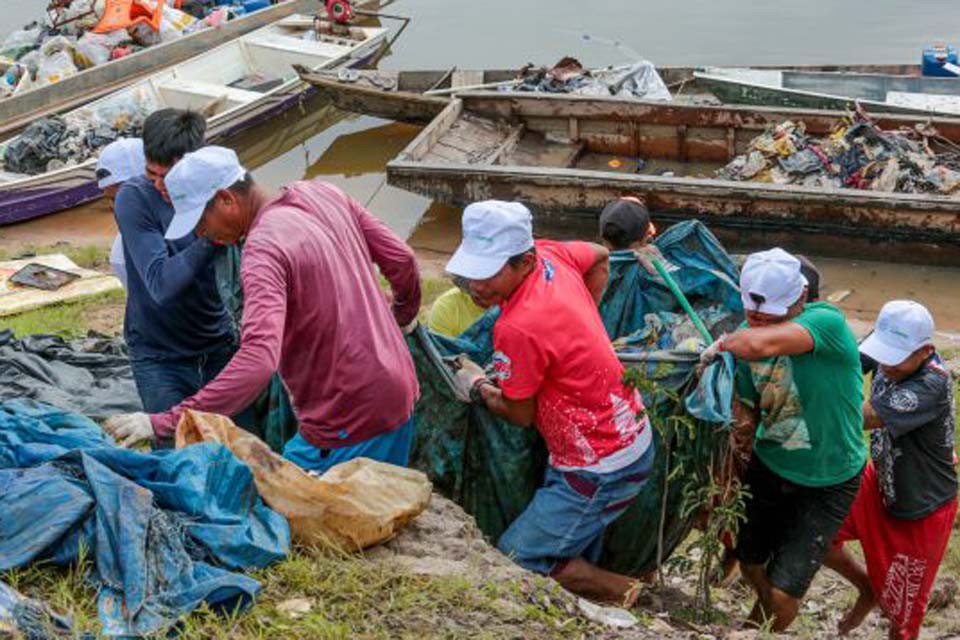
{"x": 313, "y": 310}
{"x": 555, "y": 369}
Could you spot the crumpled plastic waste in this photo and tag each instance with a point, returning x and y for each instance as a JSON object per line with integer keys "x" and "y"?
{"x": 857, "y": 154}
{"x": 639, "y": 80}
{"x": 55, "y": 142}
{"x": 96, "y": 48}
{"x": 73, "y": 45}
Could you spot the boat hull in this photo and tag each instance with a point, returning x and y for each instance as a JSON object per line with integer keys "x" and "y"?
{"x": 409, "y": 104}
{"x": 46, "y": 195}
{"x": 682, "y": 134}
{"x": 17, "y": 112}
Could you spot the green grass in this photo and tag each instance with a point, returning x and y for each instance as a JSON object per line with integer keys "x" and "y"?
{"x": 88, "y": 257}
{"x": 67, "y": 320}
{"x": 351, "y": 597}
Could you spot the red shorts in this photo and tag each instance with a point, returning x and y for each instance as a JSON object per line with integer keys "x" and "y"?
{"x": 902, "y": 555}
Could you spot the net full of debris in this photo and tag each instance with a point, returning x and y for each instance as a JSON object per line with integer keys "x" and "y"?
{"x": 857, "y": 154}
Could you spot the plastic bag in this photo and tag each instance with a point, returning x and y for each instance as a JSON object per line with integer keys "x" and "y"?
{"x": 20, "y": 42}
{"x": 95, "y": 48}
{"x": 174, "y": 23}
{"x": 56, "y": 62}
{"x": 352, "y": 506}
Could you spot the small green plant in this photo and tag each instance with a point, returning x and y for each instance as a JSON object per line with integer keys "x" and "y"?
{"x": 701, "y": 463}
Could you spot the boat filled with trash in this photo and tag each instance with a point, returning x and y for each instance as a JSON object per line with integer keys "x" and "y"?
{"x": 857, "y": 154}
{"x": 81, "y": 34}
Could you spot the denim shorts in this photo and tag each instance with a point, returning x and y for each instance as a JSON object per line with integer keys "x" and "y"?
{"x": 568, "y": 515}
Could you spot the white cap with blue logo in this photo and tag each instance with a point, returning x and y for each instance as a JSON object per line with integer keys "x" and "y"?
{"x": 119, "y": 161}
{"x": 193, "y": 182}
{"x": 903, "y": 326}
{"x": 493, "y": 232}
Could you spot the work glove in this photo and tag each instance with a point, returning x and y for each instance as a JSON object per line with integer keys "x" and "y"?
{"x": 410, "y": 327}
{"x": 710, "y": 354}
{"x": 129, "y": 429}
{"x": 647, "y": 254}
{"x": 467, "y": 375}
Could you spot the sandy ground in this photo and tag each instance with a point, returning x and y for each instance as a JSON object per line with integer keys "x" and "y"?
{"x": 445, "y": 541}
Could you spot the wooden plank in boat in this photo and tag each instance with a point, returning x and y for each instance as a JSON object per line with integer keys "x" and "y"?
{"x": 535, "y": 150}
{"x": 466, "y": 78}
{"x": 432, "y": 132}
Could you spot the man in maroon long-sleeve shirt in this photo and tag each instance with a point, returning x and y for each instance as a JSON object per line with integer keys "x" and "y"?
{"x": 313, "y": 310}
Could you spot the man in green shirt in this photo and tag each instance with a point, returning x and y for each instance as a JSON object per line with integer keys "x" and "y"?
{"x": 799, "y": 373}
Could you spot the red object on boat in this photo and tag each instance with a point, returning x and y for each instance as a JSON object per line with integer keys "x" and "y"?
{"x": 339, "y": 11}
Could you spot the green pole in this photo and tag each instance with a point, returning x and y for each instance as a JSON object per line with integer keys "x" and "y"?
{"x": 682, "y": 299}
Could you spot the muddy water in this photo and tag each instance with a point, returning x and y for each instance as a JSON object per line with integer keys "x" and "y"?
{"x": 352, "y": 151}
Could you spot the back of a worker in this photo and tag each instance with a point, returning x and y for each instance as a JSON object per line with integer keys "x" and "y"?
{"x": 341, "y": 348}
{"x": 313, "y": 309}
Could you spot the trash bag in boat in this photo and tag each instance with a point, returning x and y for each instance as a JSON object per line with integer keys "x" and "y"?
{"x": 492, "y": 468}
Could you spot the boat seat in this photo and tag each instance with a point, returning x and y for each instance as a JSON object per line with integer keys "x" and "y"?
{"x": 280, "y": 42}
{"x": 209, "y": 90}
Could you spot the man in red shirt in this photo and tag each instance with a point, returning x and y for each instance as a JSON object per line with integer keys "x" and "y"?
{"x": 554, "y": 367}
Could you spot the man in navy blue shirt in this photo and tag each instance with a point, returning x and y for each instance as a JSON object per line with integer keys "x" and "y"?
{"x": 176, "y": 327}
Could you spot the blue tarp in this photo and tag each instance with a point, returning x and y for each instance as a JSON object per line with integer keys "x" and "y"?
{"x": 166, "y": 530}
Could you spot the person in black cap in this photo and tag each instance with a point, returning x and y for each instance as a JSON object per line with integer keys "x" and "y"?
{"x": 812, "y": 274}
{"x": 625, "y": 224}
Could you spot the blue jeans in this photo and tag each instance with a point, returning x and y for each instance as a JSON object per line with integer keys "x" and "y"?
{"x": 163, "y": 384}
{"x": 568, "y": 515}
{"x": 392, "y": 447}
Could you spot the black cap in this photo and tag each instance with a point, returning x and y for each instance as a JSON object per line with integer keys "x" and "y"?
{"x": 812, "y": 274}
{"x": 623, "y": 222}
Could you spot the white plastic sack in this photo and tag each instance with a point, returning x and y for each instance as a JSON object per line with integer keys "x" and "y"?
{"x": 19, "y": 42}
{"x": 174, "y": 23}
{"x": 56, "y": 62}
{"x": 95, "y": 48}
{"x": 640, "y": 81}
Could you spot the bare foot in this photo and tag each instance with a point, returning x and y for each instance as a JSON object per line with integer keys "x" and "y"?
{"x": 854, "y": 618}
{"x": 584, "y": 579}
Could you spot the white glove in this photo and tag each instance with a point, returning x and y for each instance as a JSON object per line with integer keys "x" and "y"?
{"x": 711, "y": 353}
{"x": 468, "y": 373}
{"x": 129, "y": 429}
{"x": 410, "y": 328}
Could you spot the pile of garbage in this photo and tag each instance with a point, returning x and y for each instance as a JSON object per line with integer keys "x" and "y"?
{"x": 639, "y": 80}
{"x": 56, "y": 142}
{"x": 857, "y": 154}
{"x": 76, "y": 36}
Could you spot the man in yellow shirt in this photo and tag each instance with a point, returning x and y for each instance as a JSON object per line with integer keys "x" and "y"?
{"x": 453, "y": 313}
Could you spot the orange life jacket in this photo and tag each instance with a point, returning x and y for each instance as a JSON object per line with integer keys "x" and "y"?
{"x": 123, "y": 14}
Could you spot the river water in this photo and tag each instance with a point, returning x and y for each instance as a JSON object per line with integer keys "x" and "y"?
{"x": 352, "y": 151}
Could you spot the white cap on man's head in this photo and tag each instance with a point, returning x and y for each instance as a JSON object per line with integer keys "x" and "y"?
{"x": 903, "y": 326}
{"x": 119, "y": 161}
{"x": 771, "y": 282}
{"x": 193, "y": 182}
{"x": 493, "y": 232}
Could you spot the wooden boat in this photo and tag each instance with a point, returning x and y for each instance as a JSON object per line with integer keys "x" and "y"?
{"x": 202, "y": 83}
{"x": 418, "y": 96}
{"x": 563, "y": 155}
{"x": 18, "y": 111}
{"x": 877, "y": 92}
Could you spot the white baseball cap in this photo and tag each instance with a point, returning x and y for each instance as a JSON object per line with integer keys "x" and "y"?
{"x": 771, "y": 282}
{"x": 493, "y": 232}
{"x": 903, "y": 326}
{"x": 119, "y": 161}
{"x": 194, "y": 181}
